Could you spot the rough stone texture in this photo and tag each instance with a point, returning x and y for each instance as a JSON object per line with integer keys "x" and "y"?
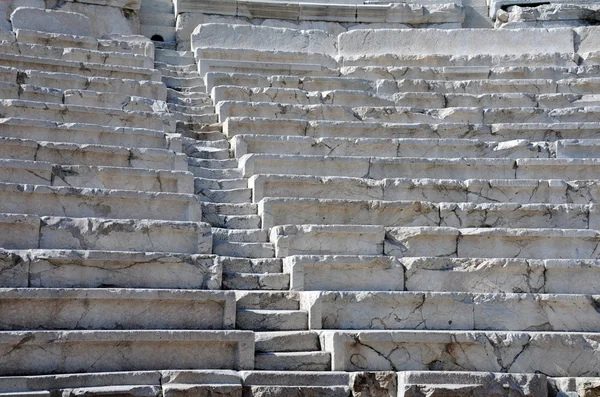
{"x": 50, "y": 21}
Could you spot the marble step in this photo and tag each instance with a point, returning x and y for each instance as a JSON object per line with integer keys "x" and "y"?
{"x": 74, "y": 67}
{"x": 296, "y": 361}
{"x": 230, "y": 209}
{"x": 100, "y": 177}
{"x": 83, "y": 114}
{"x": 240, "y": 235}
{"x": 265, "y": 67}
{"x": 285, "y": 211}
{"x": 469, "y": 115}
{"x": 205, "y": 152}
{"x": 174, "y": 57}
{"x": 111, "y": 101}
{"x": 271, "y": 320}
{"x": 188, "y": 98}
{"x": 294, "y": 383}
{"x": 101, "y": 351}
{"x": 75, "y": 81}
{"x": 492, "y": 243}
{"x": 85, "y": 202}
{"x": 550, "y": 353}
{"x": 268, "y": 300}
{"x": 49, "y": 232}
{"x": 235, "y": 196}
{"x": 453, "y": 311}
{"x": 115, "y": 308}
{"x": 175, "y": 70}
{"x": 393, "y": 130}
{"x": 521, "y": 191}
{"x": 54, "y": 268}
{"x": 380, "y": 147}
{"x": 250, "y": 265}
{"x": 220, "y": 184}
{"x": 255, "y": 281}
{"x": 243, "y": 250}
{"x": 233, "y": 221}
{"x": 173, "y": 107}
{"x": 115, "y": 43}
{"x": 206, "y": 118}
{"x": 82, "y": 133}
{"x": 286, "y": 341}
{"x": 215, "y": 174}
{"x": 213, "y": 163}
{"x": 184, "y": 80}
{"x": 91, "y": 154}
{"x": 157, "y": 6}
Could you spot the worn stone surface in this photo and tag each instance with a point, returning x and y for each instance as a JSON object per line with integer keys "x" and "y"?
{"x": 51, "y": 21}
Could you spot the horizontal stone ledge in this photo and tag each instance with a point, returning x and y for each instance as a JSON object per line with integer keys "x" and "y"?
{"x": 262, "y": 64}
{"x": 83, "y": 133}
{"x": 492, "y": 243}
{"x": 551, "y": 353}
{"x": 91, "y": 202}
{"x": 105, "y": 351}
{"x": 522, "y": 191}
{"x": 60, "y": 308}
{"x": 54, "y": 268}
{"x": 451, "y": 311}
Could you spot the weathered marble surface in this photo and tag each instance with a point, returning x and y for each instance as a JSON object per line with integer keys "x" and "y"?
{"x": 51, "y": 21}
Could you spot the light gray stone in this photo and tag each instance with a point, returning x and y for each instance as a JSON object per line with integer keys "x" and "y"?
{"x": 51, "y": 21}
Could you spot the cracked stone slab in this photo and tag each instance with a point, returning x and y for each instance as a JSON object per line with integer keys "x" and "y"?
{"x": 51, "y": 21}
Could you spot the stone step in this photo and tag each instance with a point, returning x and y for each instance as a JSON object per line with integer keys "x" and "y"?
{"x": 192, "y": 98}
{"x": 115, "y": 308}
{"x": 293, "y": 383}
{"x": 522, "y": 191}
{"x": 219, "y": 184}
{"x": 109, "y": 100}
{"x": 380, "y": 147}
{"x": 362, "y": 129}
{"x": 216, "y": 174}
{"x": 296, "y": 361}
{"x": 48, "y": 232}
{"x": 200, "y": 135}
{"x": 390, "y": 167}
{"x": 348, "y": 273}
{"x": 271, "y": 320}
{"x": 256, "y": 281}
{"x": 74, "y": 67}
{"x": 169, "y": 69}
{"x": 230, "y": 209}
{"x": 82, "y": 133}
{"x": 185, "y": 80}
{"x": 63, "y": 81}
{"x": 243, "y": 250}
{"x": 212, "y": 163}
{"x": 206, "y": 118}
{"x": 469, "y": 115}
{"x": 85, "y": 154}
{"x": 205, "y": 152}
{"x": 224, "y": 196}
{"x": 492, "y": 243}
{"x": 550, "y": 353}
{"x": 285, "y": 211}
{"x": 250, "y": 265}
{"x": 286, "y": 341}
{"x": 114, "y": 43}
{"x": 233, "y": 221}
{"x": 100, "y": 177}
{"x": 578, "y": 148}
{"x": 268, "y": 300}
{"x": 265, "y": 67}
{"x": 453, "y": 311}
{"x": 171, "y": 57}
{"x": 85, "y": 202}
{"x": 240, "y": 235}
{"x": 173, "y": 107}
{"x": 413, "y": 383}
{"x": 83, "y": 114}
{"x": 157, "y": 6}
{"x": 101, "y": 351}
{"x": 49, "y": 268}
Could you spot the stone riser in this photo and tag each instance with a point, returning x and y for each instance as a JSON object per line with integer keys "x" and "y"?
{"x": 42, "y": 352}
{"x": 514, "y": 352}
{"x": 42, "y": 173}
{"x": 118, "y": 269}
{"x": 383, "y": 130}
{"x": 94, "y": 309}
{"x": 105, "y": 234}
{"x": 432, "y": 148}
{"x": 81, "y": 203}
{"x": 276, "y": 212}
{"x": 479, "y": 191}
{"x": 82, "y": 133}
{"x": 453, "y": 311}
{"x": 95, "y": 155}
{"x": 81, "y": 114}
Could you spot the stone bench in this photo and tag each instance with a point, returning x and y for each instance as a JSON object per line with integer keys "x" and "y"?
{"x": 145, "y": 350}
{"x": 452, "y": 311}
{"x": 84, "y": 133}
{"x": 84, "y": 202}
{"x": 551, "y": 353}
{"x": 94, "y": 309}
